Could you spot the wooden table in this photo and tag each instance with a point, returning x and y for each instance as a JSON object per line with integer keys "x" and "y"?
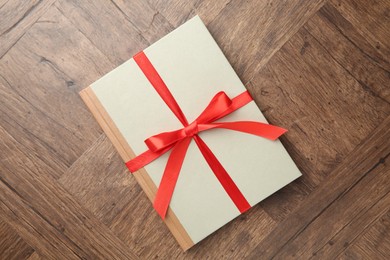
{"x": 319, "y": 68}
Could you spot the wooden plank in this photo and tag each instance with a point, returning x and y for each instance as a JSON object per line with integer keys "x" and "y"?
{"x": 138, "y": 226}
{"x": 347, "y": 236}
{"x": 373, "y": 244}
{"x": 178, "y": 12}
{"x": 149, "y": 22}
{"x": 306, "y": 89}
{"x": 208, "y": 10}
{"x": 16, "y": 18}
{"x": 100, "y": 181}
{"x": 354, "y": 54}
{"x": 34, "y": 229}
{"x": 55, "y": 42}
{"x": 144, "y": 23}
{"x": 356, "y": 165}
{"x": 34, "y": 256}
{"x": 250, "y": 32}
{"x": 40, "y": 85}
{"x": 106, "y": 27}
{"x": 45, "y": 215}
{"x": 175, "y": 11}
{"x": 219, "y": 17}
{"x": 236, "y": 239}
{"x": 12, "y": 246}
{"x": 40, "y": 142}
{"x": 352, "y": 51}
{"x": 371, "y": 21}
{"x": 336, "y": 219}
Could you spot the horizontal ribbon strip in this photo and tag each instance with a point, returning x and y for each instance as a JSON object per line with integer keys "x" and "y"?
{"x": 179, "y": 140}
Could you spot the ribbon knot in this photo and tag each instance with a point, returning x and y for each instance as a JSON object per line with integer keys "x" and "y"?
{"x": 191, "y": 129}
{"x": 179, "y": 140}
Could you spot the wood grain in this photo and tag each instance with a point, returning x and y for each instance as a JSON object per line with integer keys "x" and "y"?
{"x": 12, "y": 246}
{"x": 262, "y": 29}
{"x": 86, "y": 16}
{"x": 366, "y": 23}
{"x": 309, "y": 87}
{"x": 234, "y": 240}
{"x": 177, "y": 12}
{"x": 38, "y": 207}
{"x": 371, "y": 188}
{"x": 95, "y": 183}
{"x": 364, "y": 62}
{"x": 366, "y": 157}
{"x": 145, "y": 19}
{"x": 30, "y": 135}
{"x": 320, "y": 68}
{"x": 34, "y": 256}
{"x": 361, "y": 223}
{"x": 16, "y": 18}
{"x": 374, "y": 243}
{"x": 37, "y": 91}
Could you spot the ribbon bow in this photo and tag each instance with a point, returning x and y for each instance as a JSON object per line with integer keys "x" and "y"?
{"x": 179, "y": 140}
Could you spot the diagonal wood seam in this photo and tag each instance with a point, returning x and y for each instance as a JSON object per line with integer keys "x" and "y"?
{"x": 381, "y": 203}
{"x": 12, "y": 245}
{"x": 301, "y": 239}
{"x": 40, "y": 111}
{"x": 280, "y": 46}
{"x": 21, "y": 207}
{"x": 319, "y": 200}
{"x": 25, "y": 15}
{"x": 23, "y": 217}
{"x": 256, "y": 70}
{"x": 381, "y": 161}
{"x": 140, "y": 32}
{"x": 365, "y": 87}
{"x": 22, "y": 18}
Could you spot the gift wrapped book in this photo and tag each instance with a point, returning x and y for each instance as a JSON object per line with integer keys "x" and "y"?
{"x": 190, "y": 133}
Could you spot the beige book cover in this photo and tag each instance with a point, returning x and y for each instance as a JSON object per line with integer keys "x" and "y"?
{"x": 130, "y": 110}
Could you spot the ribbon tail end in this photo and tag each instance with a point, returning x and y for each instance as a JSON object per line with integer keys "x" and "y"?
{"x": 278, "y": 133}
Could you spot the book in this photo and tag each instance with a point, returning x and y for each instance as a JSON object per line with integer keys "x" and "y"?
{"x": 194, "y": 69}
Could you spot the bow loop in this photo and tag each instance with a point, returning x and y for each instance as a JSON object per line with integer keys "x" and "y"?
{"x": 219, "y": 104}
{"x": 161, "y": 141}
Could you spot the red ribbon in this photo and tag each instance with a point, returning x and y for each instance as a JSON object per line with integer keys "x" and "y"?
{"x": 179, "y": 140}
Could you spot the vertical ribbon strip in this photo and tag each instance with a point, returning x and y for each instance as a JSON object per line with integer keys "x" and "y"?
{"x": 179, "y": 140}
